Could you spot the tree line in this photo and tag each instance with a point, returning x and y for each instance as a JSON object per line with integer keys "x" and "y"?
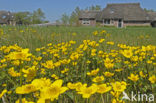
{"x": 73, "y": 19}
{"x": 27, "y": 18}
{"x": 38, "y": 16}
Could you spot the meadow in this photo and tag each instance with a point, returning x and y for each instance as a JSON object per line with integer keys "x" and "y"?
{"x": 77, "y": 64}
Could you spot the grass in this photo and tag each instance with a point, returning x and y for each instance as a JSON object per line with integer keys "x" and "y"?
{"x": 34, "y": 37}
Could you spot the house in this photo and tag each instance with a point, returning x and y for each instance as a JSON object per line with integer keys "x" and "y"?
{"x": 119, "y": 15}
{"x": 88, "y": 17}
{"x": 7, "y": 18}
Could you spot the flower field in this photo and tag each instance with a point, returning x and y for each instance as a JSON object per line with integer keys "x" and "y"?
{"x": 77, "y": 65}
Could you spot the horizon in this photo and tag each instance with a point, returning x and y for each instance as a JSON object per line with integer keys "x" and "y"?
{"x": 54, "y": 9}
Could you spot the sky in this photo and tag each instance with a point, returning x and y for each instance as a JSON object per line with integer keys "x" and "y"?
{"x": 53, "y": 9}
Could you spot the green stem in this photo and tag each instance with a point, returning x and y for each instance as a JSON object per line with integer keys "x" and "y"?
{"x": 87, "y": 100}
{"x": 20, "y": 96}
{"x": 102, "y": 98}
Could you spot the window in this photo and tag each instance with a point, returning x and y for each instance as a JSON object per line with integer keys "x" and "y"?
{"x": 86, "y": 21}
{"x": 107, "y": 21}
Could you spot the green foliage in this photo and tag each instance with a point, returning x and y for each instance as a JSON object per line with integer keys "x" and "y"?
{"x": 65, "y": 19}
{"x": 96, "y": 7}
{"x": 26, "y": 18}
{"x": 23, "y": 18}
{"x": 73, "y": 19}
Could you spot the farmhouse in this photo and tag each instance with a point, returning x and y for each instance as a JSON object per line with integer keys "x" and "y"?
{"x": 6, "y": 17}
{"x": 119, "y": 15}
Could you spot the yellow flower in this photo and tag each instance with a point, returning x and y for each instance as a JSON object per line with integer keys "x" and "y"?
{"x": 41, "y": 83}
{"x": 103, "y": 88}
{"x": 142, "y": 74}
{"x": 3, "y": 92}
{"x": 13, "y": 73}
{"x": 119, "y": 86}
{"x": 76, "y": 86}
{"x": 26, "y": 89}
{"x": 4, "y": 85}
{"x": 16, "y": 62}
{"x": 21, "y": 55}
{"x": 53, "y": 91}
{"x": 149, "y": 62}
{"x": 117, "y": 101}
{"x": 21, "y": 31}
{"x": 152, "y": 79}
{"x": 127, "y": 53}
{"x": 23, "y": 101}
{"x": 108, "y": 74}
{"x": 134, "y": 58}
{"x": 110, "y": 43}
{"x": 88, "y": 91}
{"x": 93, "y": 72}
{"x": 103, "y": 32}
{"x": 30, "y": 73}
{"x": 115, "y": 93}
{"x": 101, "y": 40}
{"x": 95, "y": 32}
{"x": 98, "y": 79}
{"x": 49, "y": 64}
{"x": 65, "y": 70}
{"x": 54, "y": 76}
{"x": 119, "y": 70}
{"x": 108, "y": 63}
{"x": 71, "y": 85}
{"x": 133, "y": 77}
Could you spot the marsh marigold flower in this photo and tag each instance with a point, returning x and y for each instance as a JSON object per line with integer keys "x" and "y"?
{"x": 21, "y": 55}
{"x": 53, "y": 91}
{"x": 127, "y": 53}
{"x": 30, "y": 73}
{"x": 98, "y": 79}
{"x": 41, "y": 83}
{"x": 108, "y": 63}
{"x": 108, "y": 74}
{"x": 152, "y": 79}
{"x": 23, "y": 101}
{"x": 133, "y": 77}
{"x": 88, "y": 91}
{"x": 93, "y": 72}
{"x": 103, "y": 88}
{"x": 119, "y": 86}
{"x": 26, "y": 89}
{"x": 142, "y": 74}
{"x": 13, "y": 73}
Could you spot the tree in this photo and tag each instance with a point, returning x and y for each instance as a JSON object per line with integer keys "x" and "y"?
{"x": 148, "y": 10}
{"x": 74, "y": 18}
{"x": 91, "y": 8}
{"x": 38, "y": 16}
{"x": 65, "y": 19}
{"x": 23, "y": 18}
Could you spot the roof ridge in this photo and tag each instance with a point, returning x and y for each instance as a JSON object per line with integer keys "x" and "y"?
{"x": 137, "y": 3}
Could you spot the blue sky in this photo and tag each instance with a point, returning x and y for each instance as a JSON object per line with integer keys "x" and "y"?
{"x": 53, "y": 9}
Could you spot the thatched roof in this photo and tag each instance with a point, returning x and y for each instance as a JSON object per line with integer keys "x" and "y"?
{"x": 5, "y": 16}
{"x": 152, "y": 15}
{"x": 89, "y": 14}
{"x": 126, "y": 11}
